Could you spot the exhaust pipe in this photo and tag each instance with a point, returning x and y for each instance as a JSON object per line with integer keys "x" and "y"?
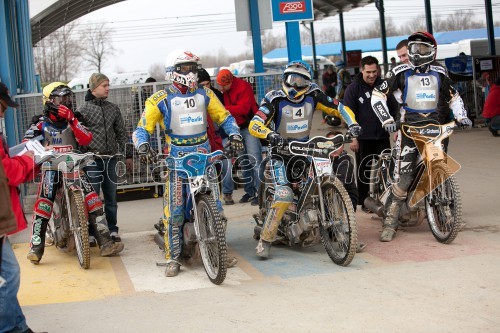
{"x": 375, "y": 206}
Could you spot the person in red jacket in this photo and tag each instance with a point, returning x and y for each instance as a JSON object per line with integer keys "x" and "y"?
{"x": 18, "y": 170}
{"x": 239, "y": 100}
{"x": 63, "y": 131}
{"x": 491, "y": 109}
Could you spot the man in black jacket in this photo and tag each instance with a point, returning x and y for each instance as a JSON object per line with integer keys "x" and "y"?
{"x": 374, "y": 138}
{"x": 105, "y": 121}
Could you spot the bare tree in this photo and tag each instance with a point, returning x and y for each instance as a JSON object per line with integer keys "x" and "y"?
{"x": 157, "y": 70}
{"x": 57, "y": 56}
{"x": 98, "y": 45}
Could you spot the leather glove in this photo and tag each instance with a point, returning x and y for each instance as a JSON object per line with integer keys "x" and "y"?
{"x": 465, "y": 123}
{"x": 236, "y": 143}
{"x": 355, "y": 130}
{"x": 275, "y": 139}
{"x": 390, "y": 127}
{"x": 65, "y": 113}
{"x": 146, "y": 154}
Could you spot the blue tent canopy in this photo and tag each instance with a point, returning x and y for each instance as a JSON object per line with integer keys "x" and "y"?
{"x": 375, "y": 44}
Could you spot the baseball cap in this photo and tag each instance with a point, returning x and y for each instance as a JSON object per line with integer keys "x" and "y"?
{"x": 4, "y": 95}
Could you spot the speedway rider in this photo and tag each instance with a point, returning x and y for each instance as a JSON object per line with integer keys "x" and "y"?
{"x": 287, "y": 114}
{"x": 418, "y": 86}
{"x": 183, "y": 108}
{"x": 62, "y": 131}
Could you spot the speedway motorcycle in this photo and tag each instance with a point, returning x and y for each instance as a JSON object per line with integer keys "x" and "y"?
{"x": 322, "y": 210}
{"x": 433, "y": 194}
{"x": 205, "y": 227}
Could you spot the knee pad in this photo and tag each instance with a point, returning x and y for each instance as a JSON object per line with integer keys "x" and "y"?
{"x": 43, "y": 208}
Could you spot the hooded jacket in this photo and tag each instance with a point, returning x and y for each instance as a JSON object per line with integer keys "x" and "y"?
{"x": 18, "y": 170}
{"x": 105, "y": 121}
{"x": 240, "y": 102}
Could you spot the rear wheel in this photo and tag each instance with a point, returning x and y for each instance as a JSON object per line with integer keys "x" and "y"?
{"x": 338, "y": 231}
{"x": 444, "y": 205}
{"x": 79, "y": 225}
{"x": 212, "y": 239}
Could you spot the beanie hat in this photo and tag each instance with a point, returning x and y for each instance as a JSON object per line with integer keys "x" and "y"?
{"x": 224, "y": 77}
{"x": 96, "y": 79}
{"x": 203, "y": 75}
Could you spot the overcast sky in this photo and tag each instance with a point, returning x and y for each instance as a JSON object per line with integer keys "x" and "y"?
{"x": 147, "y": 30}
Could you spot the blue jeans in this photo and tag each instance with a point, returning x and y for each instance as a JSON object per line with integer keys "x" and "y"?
{"x": 103, "y": 174}
{"x": 251, "y": 159}
{"x": 11, "y": 316}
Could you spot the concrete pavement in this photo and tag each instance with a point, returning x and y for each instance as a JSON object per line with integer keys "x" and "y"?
{"x": 412, "y": 284}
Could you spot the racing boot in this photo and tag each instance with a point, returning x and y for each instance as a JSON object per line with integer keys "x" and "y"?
{"x": 37, "y": 241}
{"x": 101, "y": 233}
{"x": 173, "y": 268}
{"x": 391, "y": 220}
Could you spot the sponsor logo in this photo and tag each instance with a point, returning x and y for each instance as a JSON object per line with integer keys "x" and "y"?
{"x": 326, "y": 144}
{"x": 191, "y": 119}
{"x": 292, "y": 7}
{"x": 381, "y": 110}
{"x": 178, "y": 191}
{"x": 176, "y": 102}
{"x": 63, "y": 149}
{"x": 256, "y": 128}
{"x": 156, "y": 97}
{"x": 425, "y": 96}
{"x": 56, "y": 141}
{"x": 297, "y": 127}
{"x": 44, "y": 207}
{"x": 383, "y": 86}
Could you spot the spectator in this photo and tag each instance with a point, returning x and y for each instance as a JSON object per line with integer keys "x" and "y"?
{"x": 393, "y": 63}
{"x": 142, "y": 96}
{"x": 105, "y": 121}
{"x": 239, "y": 100}
{"x": 329, "y": 79}
{"x": 402, "y": 51}
{"x": 491, "y": 109}
{"x": 374, "y": 138}
{"x": 343, "y": 80}
{"x": 343, "y": 169}
{"x": 18, "y": 170}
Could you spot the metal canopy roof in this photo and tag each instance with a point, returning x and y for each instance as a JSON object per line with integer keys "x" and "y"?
{"x": 63, "y": 12}
{"x": 325, "y": 8}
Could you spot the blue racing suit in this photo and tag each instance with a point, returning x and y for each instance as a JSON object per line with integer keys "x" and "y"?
{"x": 185, "y": 119}
{"x": 293, "y": 121}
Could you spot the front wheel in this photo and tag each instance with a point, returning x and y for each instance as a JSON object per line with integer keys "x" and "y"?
{"x": 211, "y": 239}
{"x": 79, "y": 225}
{"x": 339, "y": 232}
{"x": 444, "y": 205}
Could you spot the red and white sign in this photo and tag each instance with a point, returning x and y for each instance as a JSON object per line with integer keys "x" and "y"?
{"x": 292, "y": 7}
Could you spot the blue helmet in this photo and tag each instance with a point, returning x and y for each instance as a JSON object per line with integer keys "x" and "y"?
{"x": 297, "y": 78}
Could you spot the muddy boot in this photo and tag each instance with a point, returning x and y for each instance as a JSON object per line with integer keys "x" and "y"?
{"x": 231, "y": 261}
{"x": 37, "y": 241}
{"x": 263, "y": 249}
{"x": 101, "y": 233}
{"x": 173, "y": 268}
{"x": 391, "y": 220}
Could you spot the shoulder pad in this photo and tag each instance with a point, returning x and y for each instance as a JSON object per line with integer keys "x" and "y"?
{"x": 398, "y": 69}
{"x": 439, "y": 69}
{"x": 313, "y": 87}
{"x": 275, "y": 94}
{"x": 158, "y": 96}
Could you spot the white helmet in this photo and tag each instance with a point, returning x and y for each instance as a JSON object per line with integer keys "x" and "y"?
{"x": 182, "y": 68}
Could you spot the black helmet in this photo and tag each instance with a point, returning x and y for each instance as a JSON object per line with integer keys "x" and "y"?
{"x": 421, "y": 48}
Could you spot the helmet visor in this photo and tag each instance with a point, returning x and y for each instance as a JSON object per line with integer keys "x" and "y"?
{"x": 421, "y": 48}
{"x": 187, "y": 68}
{"x": 297, "y": 81}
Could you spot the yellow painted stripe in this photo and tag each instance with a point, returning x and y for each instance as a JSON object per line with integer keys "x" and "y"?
{"x": 59, "y": 279}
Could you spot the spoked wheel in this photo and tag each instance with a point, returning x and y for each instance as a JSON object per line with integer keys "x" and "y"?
{"x": 212, "y": 240}
{"x": 444, "y": 205}
{"x": 80, "y": 227}
{"x": 339, "y": 233}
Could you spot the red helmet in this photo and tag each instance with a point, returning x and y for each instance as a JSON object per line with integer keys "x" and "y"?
{"x": 421, "y": 48}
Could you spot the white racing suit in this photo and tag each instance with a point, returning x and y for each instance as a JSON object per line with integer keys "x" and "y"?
{"x": 293, "y": 121}
{"x": 185, "y": 119}
{"x": 418, "y": 91}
